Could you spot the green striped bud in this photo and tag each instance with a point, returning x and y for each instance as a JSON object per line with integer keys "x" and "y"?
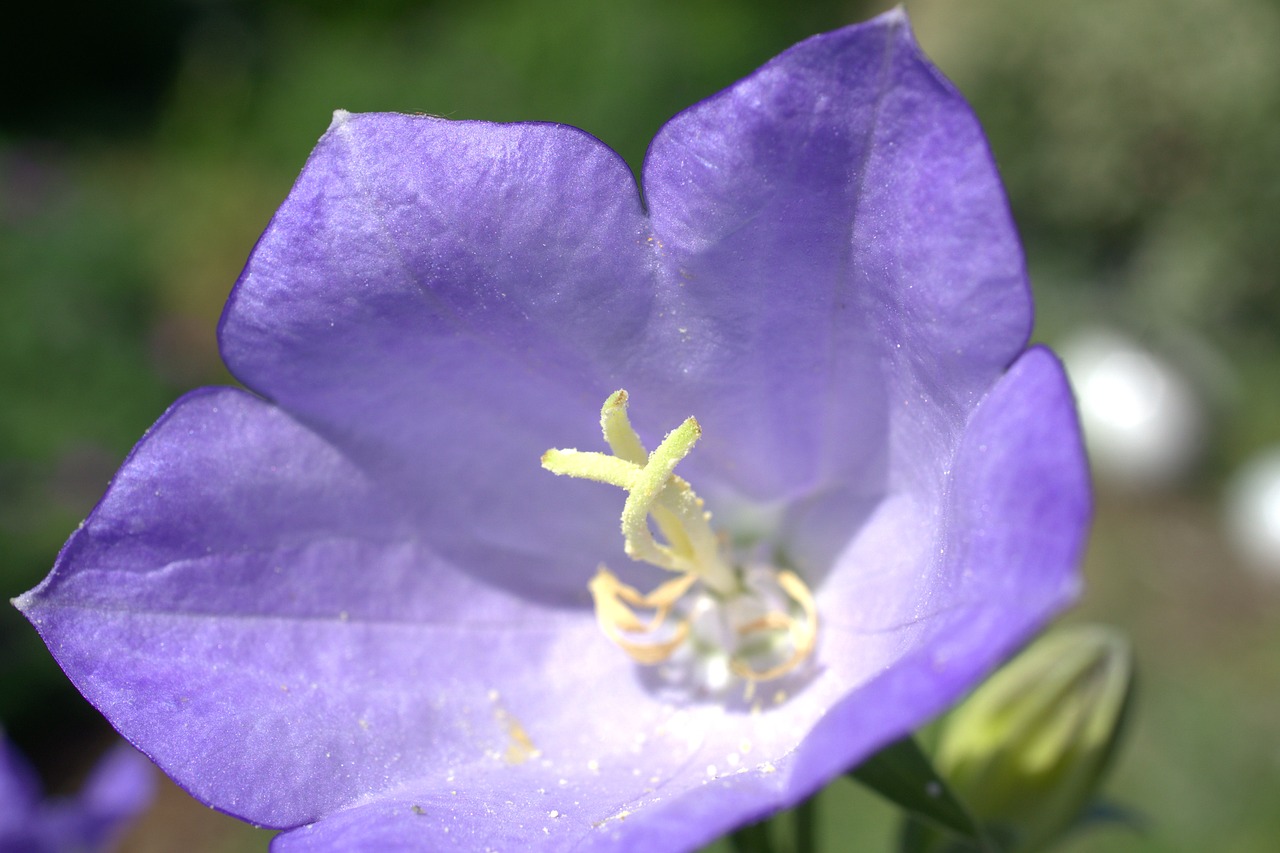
{"x": 1027, "y": 751}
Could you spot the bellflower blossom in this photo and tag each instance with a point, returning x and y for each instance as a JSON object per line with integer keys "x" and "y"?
{"x": 118, "y": 789}
{"x": 351, "y": 603}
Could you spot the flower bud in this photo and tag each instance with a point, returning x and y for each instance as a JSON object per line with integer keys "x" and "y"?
{"x": 1028, "y": 749}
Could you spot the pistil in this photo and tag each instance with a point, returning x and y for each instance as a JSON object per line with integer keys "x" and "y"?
{"x": 691, "y": 549}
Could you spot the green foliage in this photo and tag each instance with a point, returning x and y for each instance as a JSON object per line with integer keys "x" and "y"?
{"x": 904, "y": 775}
{"x": 1141, "y": 153}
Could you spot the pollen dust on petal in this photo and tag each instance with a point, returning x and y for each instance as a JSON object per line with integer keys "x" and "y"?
{"x": 520, "y": 747}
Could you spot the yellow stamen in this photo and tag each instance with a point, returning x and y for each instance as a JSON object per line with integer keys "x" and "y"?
{"x": 626, "y": 444}
{"x": 619, "y": 435}
{"x": 616, "y": 619}
{"x": 803, "y": 633}
{"x": 652, "y": 490}
{"x": 650, "y": 484}
{"x": 691, "y": 549}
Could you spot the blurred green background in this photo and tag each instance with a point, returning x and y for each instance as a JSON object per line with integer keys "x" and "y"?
{"x": 144, "y": 145}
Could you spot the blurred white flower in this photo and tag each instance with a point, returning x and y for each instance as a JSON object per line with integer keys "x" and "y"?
{"x": 1253, "y": 512}
{"x": 1143, "y": 421}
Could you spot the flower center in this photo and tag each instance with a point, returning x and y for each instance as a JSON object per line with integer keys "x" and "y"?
{"x": 759, "y": 621}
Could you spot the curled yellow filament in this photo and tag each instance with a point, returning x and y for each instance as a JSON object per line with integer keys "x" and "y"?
{"x": 803, "y": 633}
{"x": 615, "y": 611}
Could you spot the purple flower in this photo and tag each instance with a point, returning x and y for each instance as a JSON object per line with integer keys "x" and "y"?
{"x": 118, "y": 790}
{"x": 354, "y": 603}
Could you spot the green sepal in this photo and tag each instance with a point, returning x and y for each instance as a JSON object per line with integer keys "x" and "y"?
{"x": 904, "y": 775}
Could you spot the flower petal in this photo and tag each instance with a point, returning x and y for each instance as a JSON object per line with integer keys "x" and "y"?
{"x": 118, "y": 790}
{"x": 271, "y": 622}
{"x": 448, "y": 300}
{"x": 19, "y": 790}
{"x": 285, "y": 647}
{"x": 1003, "y": 561}
{"x": 906, "y": 643}
{"x": 848, "y": 269}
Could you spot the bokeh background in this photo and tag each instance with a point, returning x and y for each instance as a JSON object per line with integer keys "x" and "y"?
{"x": 145, "y": 143}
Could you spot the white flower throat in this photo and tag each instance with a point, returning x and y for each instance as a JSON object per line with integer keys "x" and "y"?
{"x": 759, "y": 622}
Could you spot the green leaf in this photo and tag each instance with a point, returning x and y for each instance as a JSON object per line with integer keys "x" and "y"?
{"x": 904, "y": 775}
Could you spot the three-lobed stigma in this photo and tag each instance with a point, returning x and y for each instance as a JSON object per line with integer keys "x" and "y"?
{"x": 758, "y": 622}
